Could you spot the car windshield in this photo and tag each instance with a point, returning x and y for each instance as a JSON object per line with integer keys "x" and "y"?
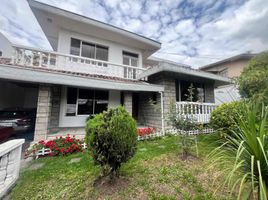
{"x": 12, "y": 114}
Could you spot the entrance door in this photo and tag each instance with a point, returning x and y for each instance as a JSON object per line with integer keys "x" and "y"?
{"x": 135, "y": 106}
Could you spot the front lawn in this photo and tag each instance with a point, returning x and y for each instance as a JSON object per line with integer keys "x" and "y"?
{"x": 155, "y": 172}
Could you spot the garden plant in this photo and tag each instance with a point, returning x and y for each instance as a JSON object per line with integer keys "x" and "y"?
{"x": 111, "y": 138}
{"x": 248, "y": 145}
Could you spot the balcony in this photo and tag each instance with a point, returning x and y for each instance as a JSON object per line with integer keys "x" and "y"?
{"x": 36, "y": 58}
{"x": 199, "y": 112}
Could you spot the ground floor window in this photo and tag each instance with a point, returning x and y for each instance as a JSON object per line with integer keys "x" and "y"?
{"x": 86, "y": 101}
{"x": 182, "y": 91}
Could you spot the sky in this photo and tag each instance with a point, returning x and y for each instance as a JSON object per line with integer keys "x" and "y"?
{"x": 192, "y": 32}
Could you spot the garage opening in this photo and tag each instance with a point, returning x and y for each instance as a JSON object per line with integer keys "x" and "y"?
{"x": 18, "y": 103}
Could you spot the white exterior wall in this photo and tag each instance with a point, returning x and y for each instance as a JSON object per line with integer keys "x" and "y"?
{"x": 5, "y": 46}
{"x": 115, "y": 54}
{"x": 79, "y": 121}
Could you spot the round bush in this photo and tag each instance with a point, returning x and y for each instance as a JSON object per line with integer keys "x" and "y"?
{"x": 112, "y": 138}
{"x": 223, "y": 118}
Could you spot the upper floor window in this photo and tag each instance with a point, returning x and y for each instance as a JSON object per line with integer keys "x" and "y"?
{"x": 130, "y": 59}
{"x": 89, "y": 50}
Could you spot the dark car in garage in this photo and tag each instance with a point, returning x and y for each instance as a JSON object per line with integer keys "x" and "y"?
{"x": 19, "y": 119}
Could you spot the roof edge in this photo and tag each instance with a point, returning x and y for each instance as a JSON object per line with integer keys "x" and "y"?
{"x": 46, "y": 7}
{"x": 233, "y": 58}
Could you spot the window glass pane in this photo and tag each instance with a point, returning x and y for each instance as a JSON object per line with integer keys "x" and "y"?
{"x": 71, "y": 101}
{"x": 85, "y": 102}
{"x": 126, "y": 60}
{"x": 101, "y": 53}
{"x": 134, "y": 62}
{"x": 101, "y": 94}
{"x": 101, "y": 101}
{"x": 199, "y": 94}
{"x": 88, "y": 50}
{"x": 86, "y": 94}
{"x": 85, "y": 107}
{"x": 75, "y": 47}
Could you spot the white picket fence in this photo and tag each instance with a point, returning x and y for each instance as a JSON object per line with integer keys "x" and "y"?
{"x": 10, "y": 157}
{"x": 175, "y": 132}
{"x": 151, "y": 135}
{"x": 47, "y": 151}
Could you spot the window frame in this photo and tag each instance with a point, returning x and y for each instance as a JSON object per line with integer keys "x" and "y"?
{"x": 95, "y": 49}
{"x": 179, "y": 90}
{"x": 128, "y": 55}
{"x": 77, "y": 97}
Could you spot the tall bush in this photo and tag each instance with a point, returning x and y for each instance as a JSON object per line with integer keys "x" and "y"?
{"x": 223, "y": 117}
{"x": 112, "y": 138}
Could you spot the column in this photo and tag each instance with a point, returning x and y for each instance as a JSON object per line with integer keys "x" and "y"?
{"x": 42, "y": 113}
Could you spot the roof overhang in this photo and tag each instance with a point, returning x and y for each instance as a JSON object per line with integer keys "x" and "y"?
{"x": 185, "y": 71}
{"x": 246, "y": 56}
{"x": 52, "y": 19}
{"x": 16, "y": 73}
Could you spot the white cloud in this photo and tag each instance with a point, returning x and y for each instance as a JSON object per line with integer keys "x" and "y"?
{"x": 185, "y": 27}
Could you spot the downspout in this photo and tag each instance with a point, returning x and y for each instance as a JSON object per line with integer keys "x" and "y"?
{"x": 162, "y": 112}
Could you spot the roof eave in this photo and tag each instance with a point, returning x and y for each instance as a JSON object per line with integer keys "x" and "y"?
{"x": 187, "y": 71}
{"x": 15, "y": 73}
{"x": 90, "y": 21}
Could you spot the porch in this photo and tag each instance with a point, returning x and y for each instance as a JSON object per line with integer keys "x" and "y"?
{"x": 199, "y": 112}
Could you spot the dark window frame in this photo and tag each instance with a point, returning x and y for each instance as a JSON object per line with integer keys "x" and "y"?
{"x": 103, "y": 99}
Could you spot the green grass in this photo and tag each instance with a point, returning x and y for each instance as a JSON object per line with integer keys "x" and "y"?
{"x": 156, "y": 172}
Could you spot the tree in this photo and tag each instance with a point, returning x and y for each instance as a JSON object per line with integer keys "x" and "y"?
{"x": 253, "y": 81}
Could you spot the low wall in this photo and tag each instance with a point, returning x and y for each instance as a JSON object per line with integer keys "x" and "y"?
{"x": 10, "y": 156}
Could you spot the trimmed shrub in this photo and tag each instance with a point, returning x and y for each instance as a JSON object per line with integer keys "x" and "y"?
{"x": 112, "y": 138}
{"x": 223, "y": 118}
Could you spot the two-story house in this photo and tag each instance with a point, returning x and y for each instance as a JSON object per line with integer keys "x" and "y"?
{"x": 95, "y": 66}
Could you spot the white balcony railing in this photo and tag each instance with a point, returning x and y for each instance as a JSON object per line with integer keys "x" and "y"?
{"x": 31, "y": 57}
{"x": 199, "y": 112}
{"x": 10, "y": 156}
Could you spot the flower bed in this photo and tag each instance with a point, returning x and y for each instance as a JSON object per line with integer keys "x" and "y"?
{"x": 143, "y": 132}
{"x": 59, "y": 146}
{"x": 148, "y": 133}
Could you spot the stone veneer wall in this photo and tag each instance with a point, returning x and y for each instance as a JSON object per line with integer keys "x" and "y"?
{"x": 48, "y": 109}
{"x": 150, "y": 115}
{"x": 128, "y": 101}
{"x": 55, "y": 109}
{"x": 43, "y": 112}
